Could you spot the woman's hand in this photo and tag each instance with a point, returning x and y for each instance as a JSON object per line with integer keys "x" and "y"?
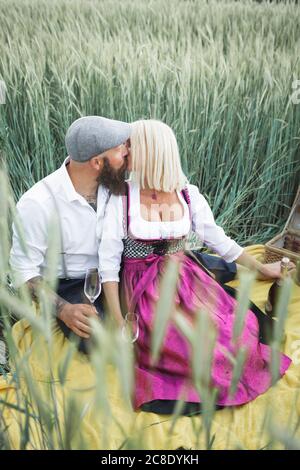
{"x": 111, "y": 291}
{"x": 273, "y": 271}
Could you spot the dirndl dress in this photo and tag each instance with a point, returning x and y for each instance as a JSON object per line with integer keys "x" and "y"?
{"x": 143, "y": 265}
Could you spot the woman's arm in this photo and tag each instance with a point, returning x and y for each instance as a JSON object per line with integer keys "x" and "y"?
{"x": 111, "y": 233}
{"x": 250, "y": 262}
{"x": 111, "y": 291}
{"x": 215, "y": 238}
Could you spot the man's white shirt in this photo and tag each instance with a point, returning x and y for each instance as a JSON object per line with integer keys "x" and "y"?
{"x": 37, "y": 210}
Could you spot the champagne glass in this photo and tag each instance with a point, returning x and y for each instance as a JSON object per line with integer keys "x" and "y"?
{"x": 92, "y": 284}
{"x": 131, "y": 329}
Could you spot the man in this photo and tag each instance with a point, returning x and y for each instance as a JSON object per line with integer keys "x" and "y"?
{"x": 77, "y": 193}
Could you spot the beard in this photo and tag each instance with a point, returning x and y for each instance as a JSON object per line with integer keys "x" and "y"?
{"x": 113, "y": 180}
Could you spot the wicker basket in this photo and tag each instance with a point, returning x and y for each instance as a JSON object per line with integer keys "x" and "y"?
{"x": 287, "y": 243}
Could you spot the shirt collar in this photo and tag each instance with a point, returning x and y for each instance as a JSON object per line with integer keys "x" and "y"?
{"x": 67, "y": 184}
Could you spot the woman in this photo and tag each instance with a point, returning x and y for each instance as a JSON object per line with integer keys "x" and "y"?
{"x": 141, "y": 232}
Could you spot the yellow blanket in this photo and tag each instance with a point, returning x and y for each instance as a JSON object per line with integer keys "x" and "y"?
{"x": 240, "y": 427}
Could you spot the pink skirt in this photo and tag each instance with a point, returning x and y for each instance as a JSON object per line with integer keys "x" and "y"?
{"x": 172, "y": 374}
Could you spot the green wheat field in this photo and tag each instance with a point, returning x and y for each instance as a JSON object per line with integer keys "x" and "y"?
{"x": 224, "y": 75}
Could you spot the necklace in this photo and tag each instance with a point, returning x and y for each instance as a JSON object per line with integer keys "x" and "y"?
{"x": 152, "y": 193}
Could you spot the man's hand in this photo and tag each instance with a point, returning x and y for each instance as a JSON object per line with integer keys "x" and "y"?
{"x": 76, "y": 317}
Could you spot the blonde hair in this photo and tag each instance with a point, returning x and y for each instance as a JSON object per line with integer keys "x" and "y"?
{"x": 155, "y": 156}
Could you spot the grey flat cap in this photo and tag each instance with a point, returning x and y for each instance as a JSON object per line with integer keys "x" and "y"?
{"x": 91, "y": 135}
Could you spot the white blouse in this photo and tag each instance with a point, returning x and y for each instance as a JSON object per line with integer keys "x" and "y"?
{"x": 111, "y": 232}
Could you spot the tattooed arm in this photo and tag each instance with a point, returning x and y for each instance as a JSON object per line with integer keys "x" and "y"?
{"x": 58, "y": 302}
{"x": 75, "y": 316}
